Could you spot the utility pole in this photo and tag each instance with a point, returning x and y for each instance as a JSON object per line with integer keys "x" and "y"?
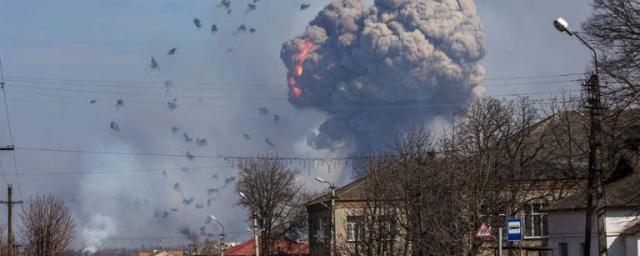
{"x": 10, "y": 204}
{"x": 333, "y": 220}
{"x": 595, "y": 140}
{"x": 255, "y": 233}
{"x": 595, "y": 170}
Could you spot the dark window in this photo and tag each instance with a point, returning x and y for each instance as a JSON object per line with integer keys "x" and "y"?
{"x": 564, "y": 249}
{"x": 535, "y": 221}
{"x": 354, "y": 228}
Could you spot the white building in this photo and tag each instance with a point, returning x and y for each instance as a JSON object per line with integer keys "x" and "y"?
{"x": 566, "y": 220}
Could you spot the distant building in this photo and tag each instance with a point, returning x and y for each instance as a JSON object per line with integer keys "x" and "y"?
{"x": 622, "y": 219}
{"x": 283, "y": 247}
{"x": 161, "y": 253}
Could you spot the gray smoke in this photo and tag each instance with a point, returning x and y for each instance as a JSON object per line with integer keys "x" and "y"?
{"x": 378, "y": 70}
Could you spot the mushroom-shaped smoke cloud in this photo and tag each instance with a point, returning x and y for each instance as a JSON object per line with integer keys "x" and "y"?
{"x": 377, "y": 70}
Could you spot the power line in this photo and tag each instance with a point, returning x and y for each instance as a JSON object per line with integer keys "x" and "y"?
{"x": 415, "y": 105}
{"x": 86, "y": 172}
{"x": 6, "y": 110}
{"x": 279, "y": 83}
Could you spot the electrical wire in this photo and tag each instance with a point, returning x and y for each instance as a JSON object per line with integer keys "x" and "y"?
{"x": 6, "y": 110}
{"x": 86, "y": 172}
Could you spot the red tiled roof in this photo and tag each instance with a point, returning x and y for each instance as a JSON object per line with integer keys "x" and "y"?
{"x": 282, "y": 246}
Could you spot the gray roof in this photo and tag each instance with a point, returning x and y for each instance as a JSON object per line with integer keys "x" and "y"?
{"x": 620, "y": 193}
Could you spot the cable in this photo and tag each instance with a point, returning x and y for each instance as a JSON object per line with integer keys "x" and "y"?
{"x": 322, "y": 107}
{"x": 4, "y": 178}
{"x": 81, "y": 172}
{"x": 6, "y": 110}
{"x": 129, "y": 83}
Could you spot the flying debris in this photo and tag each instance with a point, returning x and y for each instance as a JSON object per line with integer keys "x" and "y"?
{"x": 212, "y": 190}
{"x": 165, "y": 214}
{"x": 119, "y": 103}
{"x": 187, "y": 138}
{"x": 263, "y": 111}
{"x": 114, "y": 126}
{"x": 242, "y": 28}
{"x": 164, "y": 173}
{"x": 93, "y": 101}
{"x": 202, "y": 232}
{"x": 167, "y": 85}
{"x": 201, "y": 142}
{"x": 252, "y": 30}
{"x": 188, "y": 201}
{"x": 230, "y": 180}
{"x": 214, "y": 176}
{"x": 172, "y": 104}
{"x": 229, "y": 50}
{"x": 176, "y": 187}
{"x": 246, "y": 136}
{"x": 157, "y": 214}
{"x": 386, "y": 53}
{"x": 269, "y": 143}
{"x": 304, "y": 6}
{"x": 226, "y": 4}
{"x": 172, "y": 51}
{"x": 276, "y": 118}
{"x": 214, "y": 29}
{"x": 251, "y": 7}
{"x": 197, "y": 23}
{"x": 174, "y": 129}
{"x": 210, "y": 201}
{"x": 174, "y": 209}
{"x": 199, "y": 206}
{"x": 184, "y": 169}
{"x": 154, "y": 63}
{"x": 189, "y": 156}
{"x": 185, "y": 231}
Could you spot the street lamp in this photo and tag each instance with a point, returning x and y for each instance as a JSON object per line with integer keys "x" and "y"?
{"x": 332, "y": 189}
{"x": 256, "y": 239}
{"x": 595, "y": 174}
{"x": 213, "y": 217}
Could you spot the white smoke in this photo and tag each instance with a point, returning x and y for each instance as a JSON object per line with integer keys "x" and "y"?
{"x": 377, "y": 70}
{"x": 98, "y": 229}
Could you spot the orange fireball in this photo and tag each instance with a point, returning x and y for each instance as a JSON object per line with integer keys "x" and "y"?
{"x": 304, "y": 48}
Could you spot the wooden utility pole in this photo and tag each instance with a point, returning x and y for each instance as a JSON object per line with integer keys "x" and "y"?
{"x": 10, "y": 203}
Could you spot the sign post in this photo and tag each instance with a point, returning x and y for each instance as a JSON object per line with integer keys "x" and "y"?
{"x": 514, "y": 229}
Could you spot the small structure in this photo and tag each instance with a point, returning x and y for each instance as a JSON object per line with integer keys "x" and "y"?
{"x": 283, "y": 247}
{"x": 160, "y": 253}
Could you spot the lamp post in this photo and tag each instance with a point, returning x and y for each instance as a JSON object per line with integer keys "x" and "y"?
{"x": 255, "y": 228}
{"x": 332, "y": 188}
{"x": 221, "y": 234}
{"x": 595, "y": 173}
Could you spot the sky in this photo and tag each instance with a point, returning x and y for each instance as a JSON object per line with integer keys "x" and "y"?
{"x": 58, "y": 57}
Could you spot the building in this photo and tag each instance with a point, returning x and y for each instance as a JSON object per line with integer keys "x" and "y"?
{"x": 283, "y": 247}
{"x": 622, "y": 218}
{"x": 161, "y": 253}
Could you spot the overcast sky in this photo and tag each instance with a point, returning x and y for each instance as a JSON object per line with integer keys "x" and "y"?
{"x": 57, "y": 57}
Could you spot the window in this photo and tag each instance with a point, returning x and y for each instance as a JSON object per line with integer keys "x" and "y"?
{"x": 320, "y": 228}
{"x": 535, "y": 221}
{"x": 354, "y": 228}
{"x": 564, "y": 249}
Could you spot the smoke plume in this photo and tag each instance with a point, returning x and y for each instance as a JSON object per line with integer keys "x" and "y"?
{"x": 378, "y": 70}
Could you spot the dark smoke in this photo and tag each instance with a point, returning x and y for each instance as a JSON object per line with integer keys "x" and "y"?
{"x": 369, "y": 66}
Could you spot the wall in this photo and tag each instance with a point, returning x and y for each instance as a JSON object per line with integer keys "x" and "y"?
{"x": 568, "y": 227}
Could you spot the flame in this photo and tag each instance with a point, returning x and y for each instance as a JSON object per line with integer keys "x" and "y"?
{"x": 304, "y": 48}
{"x": 295, "y": 89}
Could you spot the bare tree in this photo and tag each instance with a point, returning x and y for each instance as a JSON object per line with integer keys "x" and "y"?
{"x": 48, "y": 228}
{"x": 272, "y": 194}
{"x": 615, "y": 28}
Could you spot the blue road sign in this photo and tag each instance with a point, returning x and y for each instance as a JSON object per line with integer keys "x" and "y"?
{"x": 514, "y": 229}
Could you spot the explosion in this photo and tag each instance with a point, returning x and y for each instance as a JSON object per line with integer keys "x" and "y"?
{"x": 304, "y": 46}
{"x": 368, "y": 67}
